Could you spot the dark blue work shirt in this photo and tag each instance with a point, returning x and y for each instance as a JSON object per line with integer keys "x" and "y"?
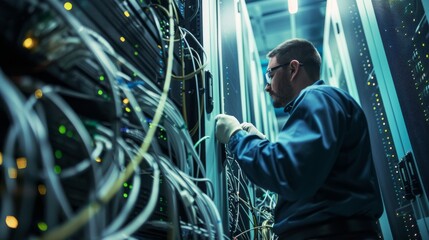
{"x": 321, "y": 165}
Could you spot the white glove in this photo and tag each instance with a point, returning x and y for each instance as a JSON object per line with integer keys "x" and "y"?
{"x": 248, "y": 127}
{"x": 226, "y": 125}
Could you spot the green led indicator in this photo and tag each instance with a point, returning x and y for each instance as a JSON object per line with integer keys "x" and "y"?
{"x": 100, "y": 92}
{"x": 136, "y": 53}
{"x": 70, "y": 134}
{"x": 101, "y": 78}
{"x": 125, "y": 184}
{"x": 125, "y": 195}
{"x": 57, "y": 169}
{"x": 131, "y": 186}
{"x": 58, "y": 154}
{"x": 136, "y": 46}
{"x": 62, "y": 129}
{"x": 42, "y": 226}
{"x": 161, "y": 209}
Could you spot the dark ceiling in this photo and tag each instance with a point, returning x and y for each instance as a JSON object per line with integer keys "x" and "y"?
{"x": 272, "y": 23}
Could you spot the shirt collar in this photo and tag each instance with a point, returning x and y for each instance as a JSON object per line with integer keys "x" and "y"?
{"x": 290, "y": 105}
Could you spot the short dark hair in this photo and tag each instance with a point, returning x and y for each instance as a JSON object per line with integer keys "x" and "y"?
{"x": 301, "y": 50}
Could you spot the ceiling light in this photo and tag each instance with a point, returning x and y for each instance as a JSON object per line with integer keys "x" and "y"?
{"x": 292, "y": 6}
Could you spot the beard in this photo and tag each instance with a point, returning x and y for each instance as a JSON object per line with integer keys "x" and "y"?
{"x": 283, "y": 94}
{"x": 278, "y": 100}
{"x": 277, "y": 104}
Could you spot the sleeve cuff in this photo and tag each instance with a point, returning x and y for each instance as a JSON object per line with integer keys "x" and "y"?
{"x": 235, "y": 138}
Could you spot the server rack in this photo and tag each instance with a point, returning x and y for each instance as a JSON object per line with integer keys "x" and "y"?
{"x": 384, "y": 47}
{"x": 85, "y": 151}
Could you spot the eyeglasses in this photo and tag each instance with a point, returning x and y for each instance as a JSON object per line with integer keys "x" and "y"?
{"x": 270, "y": 71}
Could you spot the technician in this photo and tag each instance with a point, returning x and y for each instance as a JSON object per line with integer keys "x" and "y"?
{"x": 321, "y": 165}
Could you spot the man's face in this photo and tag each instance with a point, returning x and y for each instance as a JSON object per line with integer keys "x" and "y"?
{"x": 279, "y": 88}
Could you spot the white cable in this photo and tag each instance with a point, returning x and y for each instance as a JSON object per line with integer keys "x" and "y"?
{"x": 196, "y": 86}
{"x": 128, "y": 207}
{"x": 141, "y": 218}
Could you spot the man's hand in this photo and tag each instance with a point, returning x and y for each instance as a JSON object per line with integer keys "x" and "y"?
{"x": 248, "y": 127}
{"x": 226, "y": 125}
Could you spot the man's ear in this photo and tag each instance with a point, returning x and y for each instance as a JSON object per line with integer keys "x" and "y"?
{"x": 294, "y": 68}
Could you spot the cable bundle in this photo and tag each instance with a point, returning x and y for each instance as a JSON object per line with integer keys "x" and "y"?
{"x": 250, "y": 208}
{"x": 91, "y": 147}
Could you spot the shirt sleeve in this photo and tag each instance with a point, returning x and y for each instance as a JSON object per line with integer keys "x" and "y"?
{"x": 298, "y": 163}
